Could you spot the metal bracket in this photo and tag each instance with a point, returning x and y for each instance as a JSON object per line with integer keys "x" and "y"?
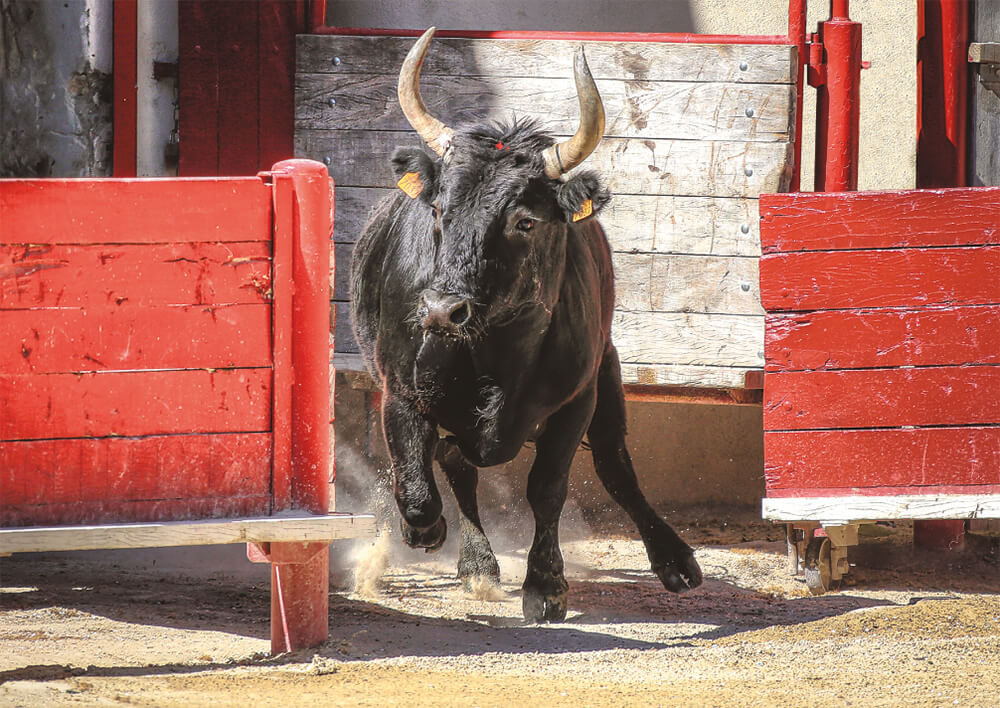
{"x": 986, "y": 55}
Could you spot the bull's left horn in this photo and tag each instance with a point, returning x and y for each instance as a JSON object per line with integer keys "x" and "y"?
{"x": 436, "y": 134}
{"x": 563, "y": 157}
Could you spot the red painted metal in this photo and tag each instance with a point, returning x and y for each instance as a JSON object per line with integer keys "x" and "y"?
{"x": 276, "y": 29}
{"x": 942, "y": 88}
{"x": 797, "y": 36}
{"x": 125, "y": 37}
{"x": 284, "y": 378}
{"x": 838, "y": 101}
{"x": 674, "y": 37}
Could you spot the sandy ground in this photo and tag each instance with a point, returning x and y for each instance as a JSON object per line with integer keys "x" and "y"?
{"x": 911, "y": 628}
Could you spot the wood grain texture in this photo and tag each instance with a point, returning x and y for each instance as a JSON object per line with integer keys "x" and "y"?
{"x": 882, "y": 398}
{"x": 111, "y": 470}
{"x": 892, "y": 278}
{"x": 984, "y": 105}
{"x": 879, "y": 220}
{"x": 303, "y": 528}
{"x": 116, "y": 338}
{"x": 116, "y": 512}
{"x": 851, "y": 507}
{"x": 681, "y": 283}
{"x": 145, "y": 211}
{"x": 552, "y": 58}
{"x": 858, "y": 339}
{"x": 882, "y": 458}
{"x": 678, "y": 110}
{"x": 684, "y": 375}
{"x": 134, "y": 403}
{"x": 39, "y": 275}
{"x": 630, "y": 166}
{"x": 689, "y": 338}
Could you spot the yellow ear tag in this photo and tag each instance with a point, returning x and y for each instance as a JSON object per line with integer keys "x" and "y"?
{"x": 411, "y": 184}
{"x": 586, "y": 209}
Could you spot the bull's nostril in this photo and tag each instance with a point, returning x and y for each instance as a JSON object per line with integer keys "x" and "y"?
{"x": 461, "y": 314}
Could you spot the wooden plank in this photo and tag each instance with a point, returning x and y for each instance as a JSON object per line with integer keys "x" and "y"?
{"x": 882, "y": 458}
{"x": 859, "y": 508}
{"x": 33, "y": 276}
{"x": 276, "y": 30}
{"x": 894, "y": 278}
{"x": 882, "y": 398}
{"x": 115, "y": 338}
{"x": 101, "y": 512}
{"x": 678, "y": 110}
{"x": 134, "y": 403}
{"x": 874, "y": 220}
{"x": 343, "y": 253}
{"x": 552, "y": 58}
{"x": 300, "y": 528}
{"x": 639, "y": 166}
{"x": 689, "y": 338}
{"x": 343, "y": 337}
{"x": 633, "y": 223}
{"x": 112, "y": 470}
{"x": 681, "y": 283}
{"x": 198, "y": 58}
{"x": 66, "y": 211}
{"x": 984, "y": 105}
{"x": 684, "y": 375}
{"x": 855, "y": 339}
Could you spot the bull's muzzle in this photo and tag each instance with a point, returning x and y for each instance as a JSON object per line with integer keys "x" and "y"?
{"x": 444, "y": 313}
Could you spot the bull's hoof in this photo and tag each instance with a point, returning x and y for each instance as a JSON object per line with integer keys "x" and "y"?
{"x": 680, "y": 575}
{"x": 430, "y": 539}
{"x": 538, "y": 609}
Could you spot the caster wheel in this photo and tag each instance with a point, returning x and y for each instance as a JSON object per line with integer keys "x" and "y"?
{"x": 818, "y": 568}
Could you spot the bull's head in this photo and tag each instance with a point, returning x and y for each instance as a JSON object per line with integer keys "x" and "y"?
{"x": 498, "y": 205}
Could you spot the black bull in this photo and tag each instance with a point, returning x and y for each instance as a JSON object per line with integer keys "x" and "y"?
{"x": 482, "y": 301}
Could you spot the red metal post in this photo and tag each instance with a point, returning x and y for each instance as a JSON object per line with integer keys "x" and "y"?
{"x": 838, "y": 102}
{"x": 797, "y": 36}
{"x": 300, "y": 572}
{"x": 125, "y": 20}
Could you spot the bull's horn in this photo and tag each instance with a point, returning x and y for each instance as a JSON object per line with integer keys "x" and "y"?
{"x": 435, "y": 133}
{"x": 564, "y": 156}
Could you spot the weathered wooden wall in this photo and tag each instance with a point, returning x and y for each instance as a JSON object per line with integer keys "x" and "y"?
{"x": 882, "y": 339}
{"x": 984, "y": 136}
{"x": 695, "y": 133}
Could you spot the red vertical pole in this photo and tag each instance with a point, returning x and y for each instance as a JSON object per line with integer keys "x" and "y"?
{"x": 300, "y": 580}
{"x": 125, "y": 19}
{"x": 838, "y": 102}
{"x": 797, "y": 36}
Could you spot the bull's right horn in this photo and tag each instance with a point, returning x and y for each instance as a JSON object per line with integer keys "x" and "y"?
{"x": 436, "y": 134}
{"x": 563, "y": 157}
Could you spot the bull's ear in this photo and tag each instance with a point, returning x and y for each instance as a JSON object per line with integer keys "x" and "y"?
{"x": 416, "y": 172}
{"x": 582, "y": 196}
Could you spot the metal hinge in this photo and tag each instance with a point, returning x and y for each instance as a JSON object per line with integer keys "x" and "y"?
{"x": 986, "y": 55}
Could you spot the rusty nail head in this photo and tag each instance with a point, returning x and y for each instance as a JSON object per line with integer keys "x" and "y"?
{"x": 744, "y": 66}
{"x": 749, "y": 113}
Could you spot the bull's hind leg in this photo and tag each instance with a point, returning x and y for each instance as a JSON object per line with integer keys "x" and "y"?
{"x": 411, "y": 439}
{"x": 475, "y": 556}
{"x": 545, "y": 586}
{"x": 671, "y": 559}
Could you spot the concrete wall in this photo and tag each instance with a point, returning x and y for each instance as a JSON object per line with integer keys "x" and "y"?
{"x": 55, "y": 93}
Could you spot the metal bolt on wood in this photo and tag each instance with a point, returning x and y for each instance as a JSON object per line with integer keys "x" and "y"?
{"x": 749, "y": 113}
{"x": 337, "y": 61}
{"x": 332, "y": 102}
{"x": 748, "y": 172}
{"x": 744, "y": 66}
{"x": 745, "y": 228}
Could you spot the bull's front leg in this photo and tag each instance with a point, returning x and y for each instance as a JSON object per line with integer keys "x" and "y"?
{"x": 411, "y": 439}
{"x": 545, "y": 586}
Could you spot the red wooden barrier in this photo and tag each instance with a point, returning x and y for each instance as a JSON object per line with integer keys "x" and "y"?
{"x": 881, "y": 343}
{"x": 165, "y": 357}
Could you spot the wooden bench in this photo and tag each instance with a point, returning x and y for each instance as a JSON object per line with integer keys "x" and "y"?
{"x": 164, "y": 373}
{"x": 695, "y": 133}
{"x": 882, "y": 343}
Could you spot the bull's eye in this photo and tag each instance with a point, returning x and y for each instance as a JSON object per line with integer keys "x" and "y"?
{"x": 525, "y": 224}
{"x": 434, "y": 211}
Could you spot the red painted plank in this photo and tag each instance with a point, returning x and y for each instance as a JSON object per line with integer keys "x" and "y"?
{"x": 853, "y": 339}
{"x": 90, "y": 513}
{"x": 665, "y": 37}
{"x": 125, "y": 20}
{"x": 882, "y": 398}
{"x": 198, "y": 56}
{"x": 34, "y": 276}
{"x": 110, "y": 338}
{"x": 276, "y": 35}
{"x": 853, "y": 220}
{"x": 109, "y": 470}
{"x": 882, "y": 458}
{"x": 897, "y": 278}
{"x": 134, "y": 211}
{"x": 931, "y": 490}
{"x": 238, "y": 62}
{"x": 284, "y": 378}
{"x": 134, "y": 403}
